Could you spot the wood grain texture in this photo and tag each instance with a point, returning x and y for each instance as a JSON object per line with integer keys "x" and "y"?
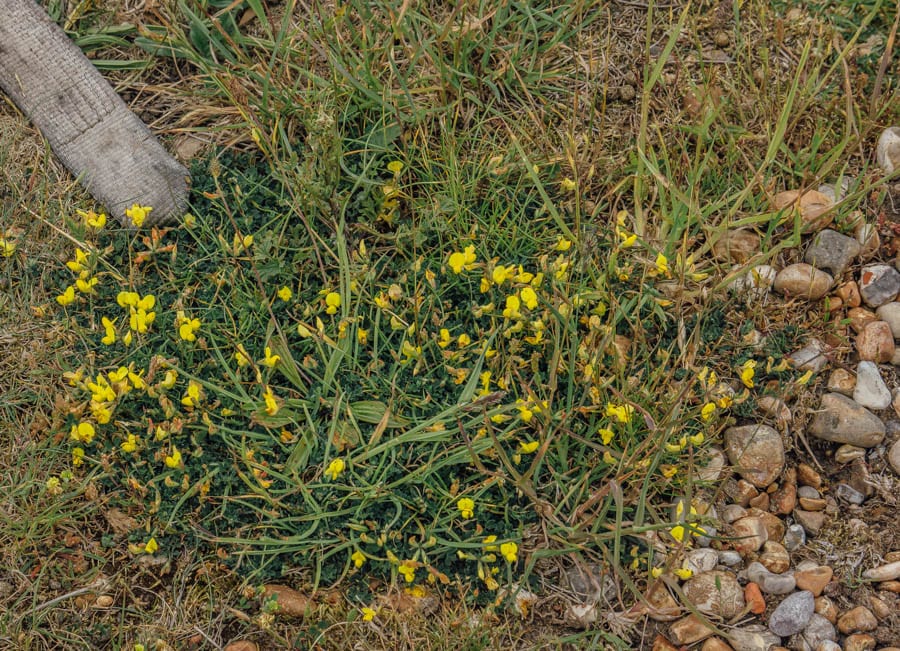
{"x": 88, "y": 126}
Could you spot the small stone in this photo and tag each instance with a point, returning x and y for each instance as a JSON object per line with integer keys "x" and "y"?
{"x": 756, "y": 282}
{"x": 869, "y": 240}
{"x": 814, "y": 580}
{"x": 722, "y": 39}
{"x": 808, "y": 492}
{"x": 805, "y": 281}
{"x": 589, "y": 582}
{"x": 756, "y": 451}
{"x": 750, "y": 534}
{"x": 887, "y": 572}
{"x": 737, "y": 246}
{"x": 754, "y": 599}
{"x": 699, "y": 561}
{"x": 875, "y": 343}
{"x": 842, "y": 420}
{"x": 825, "y": 645}
{"x": 688, "y": 630}
{"x": 768, "y": 582}
{"x": 858, "y": 620}
{"x": 859, "y": 642}
{"x": 887, "y": 152}
{"x": 807, "y": 476}
{"x": 716, "y": 593}
{"x": 794, "y": 537}
{"x": 812, "y": 357}
{"x": 792, "y": 614}
{"x": 290, "y": 602}
{"x": 890, "y": 586}
{"x": 860, "y": 317}
{"x": 860, "y": 478}
{"x": 817, "y": 632}
{"x": 847, "y": 453}
{"x": 761, "y": 501}
{"x": 662, "y": 606}
{"x": 812, "y": 504}
{"x": 783, "y": 499}
{"x": 104, "y": 601}
{"x": 775, "y": 557}
{"x": 729, "y": 557}
{"x": 879, "y": 607}
{"x": 776, "y": 409}
{"x": 894, "y": 457}
{"x": 890, "y": 314}
{"x": 715, "y": 644}
{"x": 732, "y": 512}
{"x": 879, "y": 284}
{"x": 774, "y": 525}
{"x": 242, "y": 645}
{"x": 826, "y": 608}
{"x": 753, "y": 638}
{"x": 890, "y": 557}
{"x": 812, "y": 521}
{"x": 712, "y": 471}
{"x": 841, "y": 381}
{"x": 871, "y": 391}
{"x": 832, "y": 251}
{"x": 814, "y": 207}
{"x": 662, "y": 644}
{"x": 849, "y": 294}
{"x": 847, "y": 493}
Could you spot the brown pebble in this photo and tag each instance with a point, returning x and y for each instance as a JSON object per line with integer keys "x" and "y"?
{"x": 860, "y": 317}
{"x": 783, "y": 500}
{"x": 859, "y": 642}
{"x": 104, "y": 601}
{"x": 858, "y": 620}
{"x": 890, "y": 586}
{"x": 662, "y": 644}
{"x": 849, "y": 293}
{"x": 242, "y": 645}
{"x": 761, "y": 501}
{"x": 290, "y": 602}
{"x": 715, "y": 644}
{"x": 826, "y": 608}
{"x": 807, "y": 476}
{"x": 813, "y": 503}
{"x": 688, "y": 630}
{"x": 814, "y": 580}
{"x": 722, "y": 39}
{"x": 756, "y": 603}
{"x": 775, "y": 557}
{"x": 875, "y": 342}
{"x": 879, "y": 607}
{"x": 892, "y": 557}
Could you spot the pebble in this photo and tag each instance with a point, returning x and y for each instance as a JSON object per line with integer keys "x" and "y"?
{"x": 590, "y": 582}
{"x": 663, "y": 607}
{"x": 701, "y": 560}
{"x": 756, "y": 283}
{"x": 871, "y": 391}
{"x": 878, "y": 284}
{"x": 716, "y": 593}
{"x": 732, "y": 512}
{"x": 847, "y": 453}
{"x": 784, "y": 498}
{"x": 827, "y": 645}
{"x": 715, "y": 644}
{"x": 774, "y": 525}
{"x": 858, "y": 620}
{"x": 814, "y": 580}
{"x": 754, "y": 637}
{"x": 792, "y": 614}
{"x": 841, "y": 420}
{"x": 242, "y": 645}
{"x": 811, "y": 521}
{"x": 688, "y": 630}
{"x": 832, "y": 251}
{"x": 754, "y": 599}
{"x": 776, "y": 408}
{"x": 879, "y": 607}
{"x": 849, "y": 294}
{"x": 750, "y": 534}
{"x": 794, "y": 537}
{"x": 890, "y": 314}
{"x": 756, "y": 451}
{"x": 775, "y": 557}
{"x": 848, "y": 494}
{"x": 812, "y": 503}
{"x": 737, "y": 246}
{"x": 808, "y": 476}
{"x": 805, "y": 281}
{"x": 887, "y": 152}
{"x": 818, "y": 631}
{"x": 836, "y": 190}
{"x": 875, "y": 342}
{"x": 712, "y": 471}
{"x": 894, "y": 457}
{"x": 814, "y": 207}
{"x": 812, "y": 357}
{"x": 859, "y": 642}
{"x": 887, "y": 572}
{"x": 768, "y": 582}
{"x": 729, "y": 557}
{"x": 808, "y": 492}
{"x": 860, "y": 317}
{"x": 826, "y": 608}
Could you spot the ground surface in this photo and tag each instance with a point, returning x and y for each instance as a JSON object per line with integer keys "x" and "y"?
{"x": 519, "y": 130}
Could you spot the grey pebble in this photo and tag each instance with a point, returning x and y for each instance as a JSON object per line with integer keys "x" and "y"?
{"x": 794, "y": 537}
{"x": 793, "y": 614}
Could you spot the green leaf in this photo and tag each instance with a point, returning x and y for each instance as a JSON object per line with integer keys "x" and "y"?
{"x": 372, "y": 411}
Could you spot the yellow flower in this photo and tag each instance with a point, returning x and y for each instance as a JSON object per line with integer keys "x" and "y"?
{"x": 466, "y": 507}
{"x": 463, "y": 340}
{"x": 724, "y": 402}
{"x": 77, "y": 456}
{"x": 668, "y": 471}
{"x": 83, "y": 432}
{"x": 621, "y": 413}
{"x": 173, "y": 460}
{"x": 285, "y": 294}
{"x": 368, "y": 614}
{"x": 92, "y": 219}
{"x": 697, "y": 439}
{"x": 509, "y": 551}
{"x": 528, "y": 448}
{"x": 192, "y": 396}
{"x": 512, "y": 307}
{"x": 110, "y": 338}
{"x": 358, "y": 558}
{"x": 805, "y": 378}
{"x": 271, "y": 403}
{"x": 444, "y": 338}
{"x": 86, "y": 285}
{"x": 708, "y": 410}
{"x": 408, "y": 572}
{"x": 567, "y": 185}
{"x": 152, "y": 546}
{"x": 7, "y": 247}
{"x": 409, "y": 351}
{"x": 270, "y": 360}
{"x": 464, "y": 260}
{"x": 362, "y": 336}
{"x": 241, "y": 356}
{"x": 562, "y": 244}
{"x": 335, "y": 468}
{"x": 169, "y": 379}
{"x": 127, "y": 299}
{"x": 655, "y": 572}
{"x": 683, "y": 573}
{"x": 67, "y": 297}
{"x": 662, "y": 264}
{"x": 188, "y": 328}
{"x": 332, "y": 302}
{"x": 606, "y": 435}
{"x": 501, "y": 274}
{"x": 627, "y": 240}
{"x": 678, "y": 532}
{"x": 140, "y": 320}
{"x": 395, "y": 166}
{"x": 137, "y": 214}
{"x": 129, "y": 444}
{"x": 747, "y": 373}
{"x": 529, "y": 297}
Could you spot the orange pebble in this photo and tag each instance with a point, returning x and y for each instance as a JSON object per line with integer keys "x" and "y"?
{"x": 755, "y": 601}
